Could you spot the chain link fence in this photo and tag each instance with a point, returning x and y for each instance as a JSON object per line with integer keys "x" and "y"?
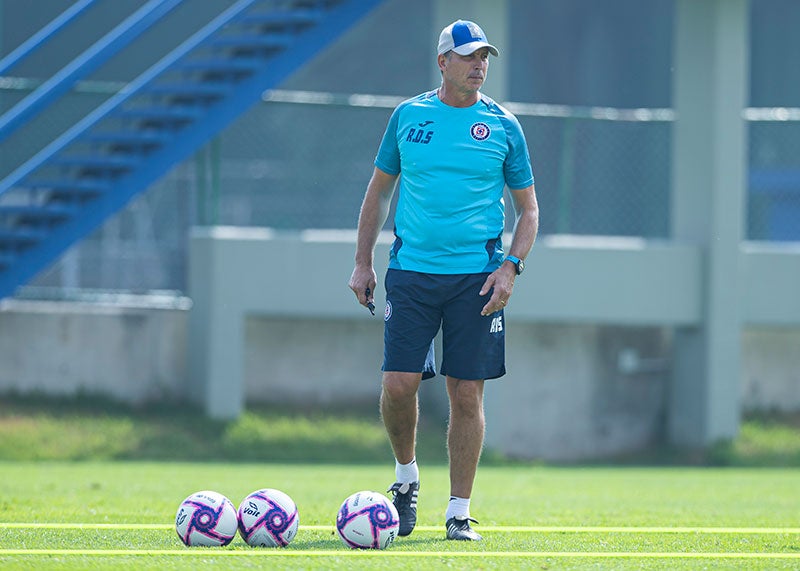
{"x": 773, "y": 206}
{"x": 302, "y": 160}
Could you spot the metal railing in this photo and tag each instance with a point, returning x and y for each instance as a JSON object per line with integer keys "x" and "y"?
{"x": 83, "y": 65}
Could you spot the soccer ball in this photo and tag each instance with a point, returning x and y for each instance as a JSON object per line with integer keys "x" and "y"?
{"x": 268, "y": 518}
{"x": 206, "y": 518}
{"x": 367, "y": 520}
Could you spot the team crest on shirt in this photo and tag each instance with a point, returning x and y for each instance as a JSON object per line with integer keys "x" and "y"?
{"x": 480, "y": 131}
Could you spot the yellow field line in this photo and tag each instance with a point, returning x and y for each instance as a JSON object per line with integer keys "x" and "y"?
{"x": 211, "y": 552}
{"x": 627, "y": 529}
{"x": 486, "y": 528}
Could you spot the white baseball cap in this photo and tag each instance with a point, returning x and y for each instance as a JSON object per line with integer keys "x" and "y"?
{"x": 464, "y": 37}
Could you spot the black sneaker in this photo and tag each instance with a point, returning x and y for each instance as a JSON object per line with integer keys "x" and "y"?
{"x": 405, "y": 500}
{"x": 459, "y": 529}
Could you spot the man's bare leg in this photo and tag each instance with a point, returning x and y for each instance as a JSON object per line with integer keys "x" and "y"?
{"x": 464, "y": 434}
{"x": 400, "y": 411}
{"x": 464, "y": 445}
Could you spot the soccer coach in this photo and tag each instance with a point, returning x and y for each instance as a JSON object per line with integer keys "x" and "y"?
{"x": 453, "y": 150}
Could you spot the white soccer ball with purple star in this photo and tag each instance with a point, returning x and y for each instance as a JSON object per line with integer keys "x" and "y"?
{"x": 206, "y": 518}
{"x": 367, "y": 520}
{"x": 268, "y": 518}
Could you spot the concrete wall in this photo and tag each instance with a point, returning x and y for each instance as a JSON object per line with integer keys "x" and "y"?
{"x": 590, "y": 347}
{"x": 130, "y": 348}
{"x": 571, "y": 394}
{"x": 593, "y": 313}
{"x": 302, "y": 361}
{"x": 771, "y": 369}
{"x": 574, "y": 390}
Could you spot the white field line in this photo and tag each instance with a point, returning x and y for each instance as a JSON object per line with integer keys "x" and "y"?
{"x": 206, "y": 552}
{"x": 486, "y": 528}
{"x": 212, "y": 552}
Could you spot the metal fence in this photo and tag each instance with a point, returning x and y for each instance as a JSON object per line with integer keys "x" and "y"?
{"x": 302, "y": 160}
{"x": 773, "y": 206}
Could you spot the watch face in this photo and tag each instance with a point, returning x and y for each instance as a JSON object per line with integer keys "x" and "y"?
{"x": 520, "y": 267}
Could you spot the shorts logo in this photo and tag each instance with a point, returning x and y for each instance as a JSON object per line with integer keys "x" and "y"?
{"x": 497, "y": 325}
{"x": 387, "y": 313}
{"x": 480, "y": 131}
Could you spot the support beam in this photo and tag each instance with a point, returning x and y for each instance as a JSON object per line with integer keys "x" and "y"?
{"x": 708, "y": 189}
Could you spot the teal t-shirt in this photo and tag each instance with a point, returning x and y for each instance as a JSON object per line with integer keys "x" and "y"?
{"x": 453, "y": 164}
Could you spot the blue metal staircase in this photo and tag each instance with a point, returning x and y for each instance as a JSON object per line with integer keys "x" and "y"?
{"x": 68, "y": 189}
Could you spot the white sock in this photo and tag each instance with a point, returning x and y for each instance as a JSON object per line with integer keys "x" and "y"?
{"x": 406, "y": 473}
{"x": 457, "y": 507}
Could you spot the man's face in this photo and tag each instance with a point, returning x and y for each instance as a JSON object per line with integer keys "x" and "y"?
{"x": 466, "y": 73}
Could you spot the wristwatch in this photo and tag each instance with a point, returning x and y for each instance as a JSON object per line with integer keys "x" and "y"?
{"x": 518, "y": 264}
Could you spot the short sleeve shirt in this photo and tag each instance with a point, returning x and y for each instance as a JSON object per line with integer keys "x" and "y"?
{"x": 453, "y": 164}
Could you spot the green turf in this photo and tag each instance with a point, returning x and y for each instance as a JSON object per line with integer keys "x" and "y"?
{"x": 531, "y": 517}
{"x": 93, "y": 428}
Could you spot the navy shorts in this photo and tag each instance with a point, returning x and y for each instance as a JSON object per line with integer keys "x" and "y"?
{"x": 418, "y": 304}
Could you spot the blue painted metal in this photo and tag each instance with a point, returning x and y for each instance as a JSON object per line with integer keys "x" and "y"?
{"x": 159, "y": 119}
{"x": 118, "y": 139}
{"x": 35, "y": 213}
{"x": 84, "y": 64}
{"x": 97, "y": 162}
{"x": 189, "y": 90}
{"x": 21, "y": 237}
{"x": 70, "y": 186}
{"x": 273, "y": 41}
{"x": 222, "y": 66}
{"x": 777, "y": 191}
{"x": 116, "y": 102}
{"x": 41, "y": 37}
{"x": 298, "y": 17}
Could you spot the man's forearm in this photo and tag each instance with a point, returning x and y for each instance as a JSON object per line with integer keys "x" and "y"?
{"x": 526, "y": 227}
{"x": 374, "y": 211}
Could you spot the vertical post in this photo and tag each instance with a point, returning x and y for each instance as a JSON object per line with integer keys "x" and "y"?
{"x": 708, "y": 183}
{"x": 566, "y": 170}
{"x": 215, "y": 149}
{"x": 216, "y": 322}
{"x": 2, "y": 91}
{"x": 200, "y": 186}
{"x": 207, "y": 182}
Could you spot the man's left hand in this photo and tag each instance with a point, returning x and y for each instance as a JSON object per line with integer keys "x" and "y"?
{"x": 501, "y": 283}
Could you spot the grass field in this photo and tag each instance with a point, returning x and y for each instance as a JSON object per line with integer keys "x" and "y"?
{"x": 91, "y": 428}
{"x": 87, "y": 484}
{"x": 100, "y": 515}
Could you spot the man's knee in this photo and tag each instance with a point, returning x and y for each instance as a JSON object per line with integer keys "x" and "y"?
{"x": 466, "y": 397}
{"x": 398, "y": 387}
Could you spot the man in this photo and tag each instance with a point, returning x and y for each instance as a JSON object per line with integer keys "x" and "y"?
{"x": 453, "y": 150}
